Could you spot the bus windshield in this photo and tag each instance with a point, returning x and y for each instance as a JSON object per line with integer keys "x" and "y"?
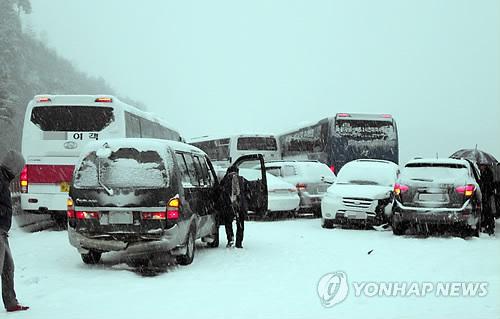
{"x": 257, "y": 143}
{"x": 365, "y": 130}
{"x": 72, "y": 118}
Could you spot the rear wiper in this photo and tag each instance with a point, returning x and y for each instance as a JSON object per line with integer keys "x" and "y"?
{"x": 422, "y": 179}
{"x": 107, "y": 189}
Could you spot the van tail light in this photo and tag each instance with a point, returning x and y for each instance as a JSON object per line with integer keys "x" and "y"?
{"x": 332, "y": 168}
{"x": 399, "y": 189}
{"x": 301, "y": 186}
{"x": 86, "y": 215}
{"x": 104, "y": 100}
{"x": 71, "y": 208}
{"x": 173, "y": 208}
{"x": 154, "y": 215}
{"x": 467, "y": 190}
{"x": 23, "y": 179}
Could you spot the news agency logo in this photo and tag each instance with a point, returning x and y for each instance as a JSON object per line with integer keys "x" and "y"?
{"x": 333, "y": 288}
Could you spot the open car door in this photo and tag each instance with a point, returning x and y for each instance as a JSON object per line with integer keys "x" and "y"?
{"x": 251, "y": 167}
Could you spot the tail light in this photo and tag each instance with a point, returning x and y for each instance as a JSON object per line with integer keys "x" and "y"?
{"x": 467, "y": 190}
{"x": 301, "y": 186}
{"x": 23, "y": 179}
{"x": 86, "y": 215}
{"x": 154, "y": 215}
{"x": 332, "y": 168}
{"x": 173, "y": 208}
{"x": 399, "y": 188}
{"x": 71, "y": 208}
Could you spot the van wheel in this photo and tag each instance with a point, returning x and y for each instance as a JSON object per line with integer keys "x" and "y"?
{"x": 398, "y": 229}
{"x": 326, "y": 223}
{"x": 215, "y": 236}
{"x": 187, "y": 259}
{"x": 92, "y": 258}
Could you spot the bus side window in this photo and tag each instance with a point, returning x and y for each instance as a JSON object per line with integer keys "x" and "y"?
{"x": 192, "y": 170}
{"x": 186, "y": 180}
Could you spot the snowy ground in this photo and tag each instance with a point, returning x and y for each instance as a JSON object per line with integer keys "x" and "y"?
{"x": 275, "y": 275}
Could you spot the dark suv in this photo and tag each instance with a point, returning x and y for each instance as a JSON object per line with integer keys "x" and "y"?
{"x": 438, "y": 192}
{"x": 148, "y": 198}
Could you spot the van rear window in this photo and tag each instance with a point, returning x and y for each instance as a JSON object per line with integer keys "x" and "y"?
{"x": 124, "y": 168}
{"x": 72, "y": 118}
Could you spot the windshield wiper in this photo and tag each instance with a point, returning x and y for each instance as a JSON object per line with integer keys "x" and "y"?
{"x": 106, "y": 188}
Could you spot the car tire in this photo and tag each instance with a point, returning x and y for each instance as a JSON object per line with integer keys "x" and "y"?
{"x": 187, "y": 259}
{"x": 215, "y": 236}
{"x": 398, "y": 229}
{"x": 326, "y": 223}
{"x": 92, "y": 258}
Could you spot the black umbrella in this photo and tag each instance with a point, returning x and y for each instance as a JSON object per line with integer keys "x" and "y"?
{"x": 475, "y": 155}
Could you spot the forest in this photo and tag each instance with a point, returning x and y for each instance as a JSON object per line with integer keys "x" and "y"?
{"x": 29, "y": 67}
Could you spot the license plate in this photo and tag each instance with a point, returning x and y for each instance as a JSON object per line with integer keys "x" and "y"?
{"x": 64, "y": 187}
{"x": 356, "y": 215}
{"x": 433, "y": 197}
{"x": 121, "y": 218}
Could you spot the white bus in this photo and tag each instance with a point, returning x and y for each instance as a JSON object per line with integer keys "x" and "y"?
{"x": 223, "y": 150}
{"x": 56, "y": 127}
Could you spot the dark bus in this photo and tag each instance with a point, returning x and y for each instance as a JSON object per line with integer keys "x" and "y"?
{"x": 343, "y": 138}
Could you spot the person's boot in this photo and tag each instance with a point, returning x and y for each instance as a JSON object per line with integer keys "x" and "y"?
{"x": 17, "y": 308}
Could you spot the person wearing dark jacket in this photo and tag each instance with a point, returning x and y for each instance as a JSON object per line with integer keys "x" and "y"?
{"x": 11, "y": 164}
{"x": 487, "y": 190}
{"x": 235, "y": 206}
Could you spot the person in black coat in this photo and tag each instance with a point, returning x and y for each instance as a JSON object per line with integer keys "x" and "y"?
{"x": 235, "y": 205}
{"x": 487, "y": 190}
{"x": 11, "y": 164}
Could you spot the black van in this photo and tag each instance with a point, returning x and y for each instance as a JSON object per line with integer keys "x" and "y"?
{"x": 148, "y": 197}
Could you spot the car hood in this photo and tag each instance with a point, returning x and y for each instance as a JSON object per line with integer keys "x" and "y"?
{"x": 360, "y": 191}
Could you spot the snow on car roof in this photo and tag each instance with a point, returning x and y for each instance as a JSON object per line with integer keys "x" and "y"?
{"x": 439, "y": 161}
{"x": 142, "y": 144}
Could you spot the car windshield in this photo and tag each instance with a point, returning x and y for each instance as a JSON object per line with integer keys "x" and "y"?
{"x": 126, "y": 167}
{"x": 367, "y": 174}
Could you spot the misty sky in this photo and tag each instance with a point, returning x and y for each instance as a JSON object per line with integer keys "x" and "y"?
{"x": 218, "y": 67}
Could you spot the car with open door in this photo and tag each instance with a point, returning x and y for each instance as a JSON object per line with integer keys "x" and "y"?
{"x": 150, "y": 199}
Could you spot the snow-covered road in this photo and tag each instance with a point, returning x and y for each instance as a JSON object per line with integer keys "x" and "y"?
{"x": 274, "y": 276}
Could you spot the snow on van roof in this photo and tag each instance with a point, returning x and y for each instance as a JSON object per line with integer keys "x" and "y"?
{"x": 85, "y": 99}
{"x": 141, "y": 144}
